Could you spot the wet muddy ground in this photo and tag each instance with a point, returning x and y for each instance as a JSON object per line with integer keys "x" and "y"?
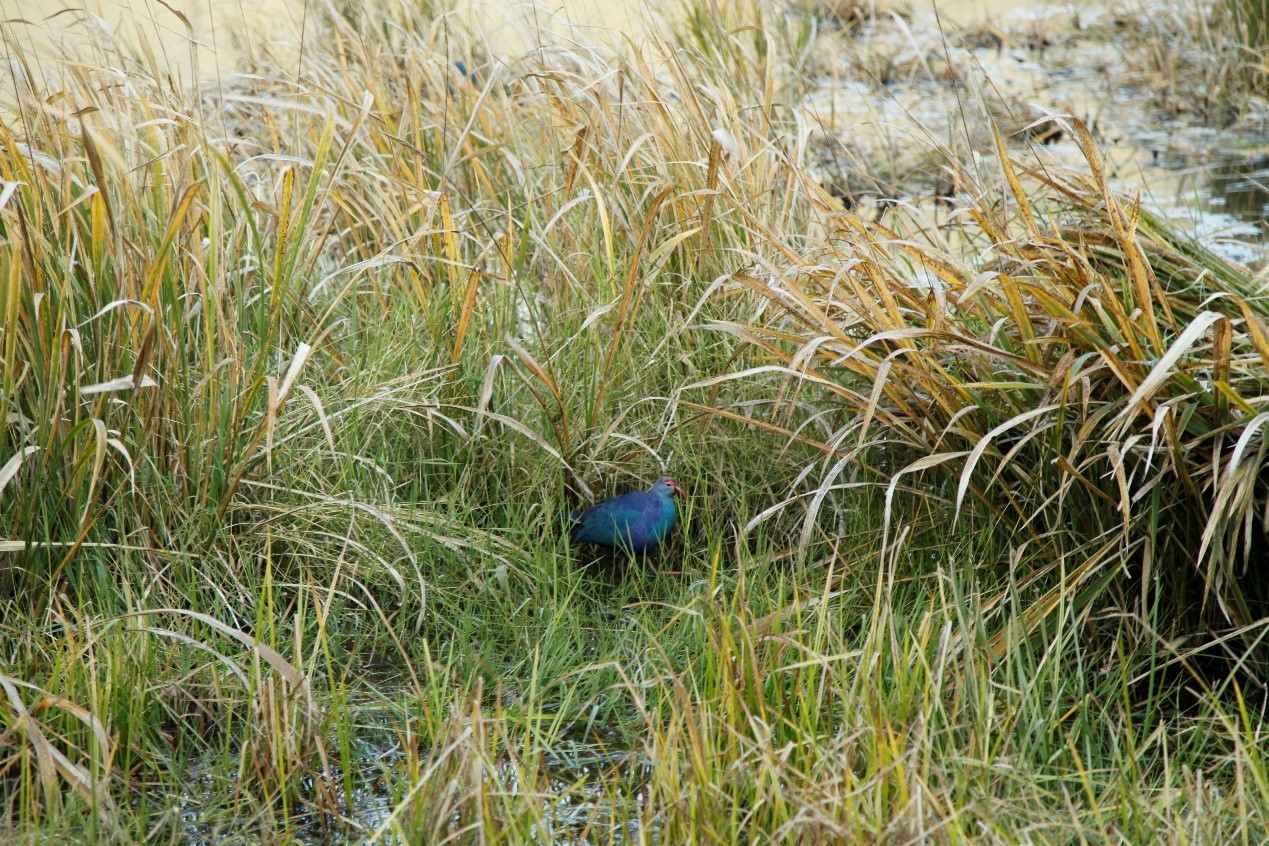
{"x": 900, "y": 92}
{"x": 573, "y": 782}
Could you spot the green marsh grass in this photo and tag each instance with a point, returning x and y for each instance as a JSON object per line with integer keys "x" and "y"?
{"x": 301, "y": 376}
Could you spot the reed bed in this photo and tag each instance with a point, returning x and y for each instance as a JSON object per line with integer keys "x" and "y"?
{"x": 301, "y": 372}
{"x": 1092, "y": 380}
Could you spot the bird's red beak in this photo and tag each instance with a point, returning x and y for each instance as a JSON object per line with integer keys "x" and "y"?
{"x": 674, "y": 487}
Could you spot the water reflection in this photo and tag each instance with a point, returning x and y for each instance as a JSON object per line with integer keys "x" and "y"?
{"x": 1222, "y": 202}
{"x": 1240, "y": 188}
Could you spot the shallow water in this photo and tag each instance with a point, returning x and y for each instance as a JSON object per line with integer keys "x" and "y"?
{"x": 888, "y": 92}
{"x": 1241, "y": 188}
{"x": 576, "y": 802}
{"x": 1224, "y": 204}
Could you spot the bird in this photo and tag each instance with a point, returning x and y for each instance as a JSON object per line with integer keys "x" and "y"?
{"x": 461, "y": 67}
{"x": 634, "y": 522}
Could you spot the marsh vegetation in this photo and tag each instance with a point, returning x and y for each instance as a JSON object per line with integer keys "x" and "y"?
{"x": 302, "y": 372}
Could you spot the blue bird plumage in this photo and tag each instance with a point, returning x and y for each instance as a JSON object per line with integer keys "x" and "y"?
{"x": 461, "y": 67}
{"x": 635, "y": 522}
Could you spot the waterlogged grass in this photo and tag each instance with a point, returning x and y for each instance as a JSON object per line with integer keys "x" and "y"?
{"x": 825, "y": 703}
{"x": 301, "y": 378}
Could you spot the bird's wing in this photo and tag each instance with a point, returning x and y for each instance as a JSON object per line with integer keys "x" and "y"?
{"x": 621, "y": 515}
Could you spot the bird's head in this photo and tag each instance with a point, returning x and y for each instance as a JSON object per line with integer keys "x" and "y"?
{"x": 674, "y": 488}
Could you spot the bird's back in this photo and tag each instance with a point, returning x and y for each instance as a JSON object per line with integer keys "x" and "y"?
{"x": 635, "y": 520}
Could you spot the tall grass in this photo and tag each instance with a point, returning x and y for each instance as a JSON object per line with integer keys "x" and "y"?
{"x": 1251, "y": 21}
{"x": 274, "y": 351}
{"x": 1218, "y": 48}
{"x": 1096, "y": 383}
{"x": 299, "y": 376}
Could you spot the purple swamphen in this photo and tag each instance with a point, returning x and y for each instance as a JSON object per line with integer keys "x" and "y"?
{"x": 634, "y": 522}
